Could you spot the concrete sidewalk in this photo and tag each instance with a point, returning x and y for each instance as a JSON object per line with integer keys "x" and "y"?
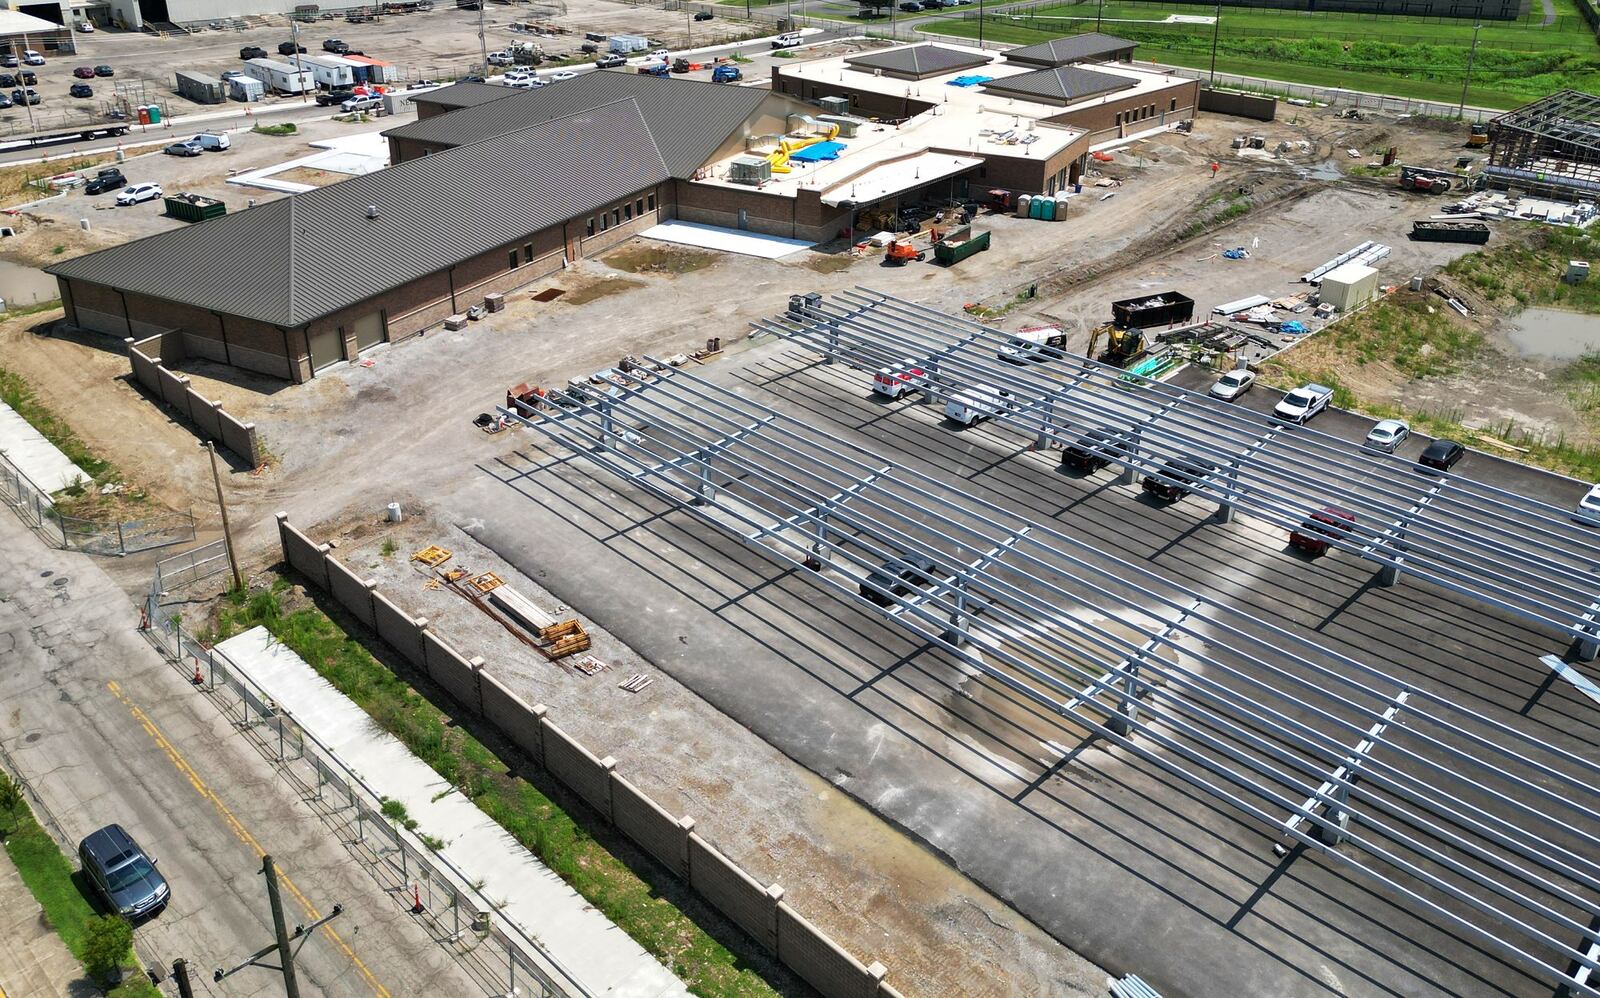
{"x": 603, "y": 958}
{"x": 33, "y": 959}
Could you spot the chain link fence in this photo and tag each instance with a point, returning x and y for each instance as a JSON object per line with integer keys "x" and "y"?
{"x": 454, "y": 909}
{"x": 33, "y": 505}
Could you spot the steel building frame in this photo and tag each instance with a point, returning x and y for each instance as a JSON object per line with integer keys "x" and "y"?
{"x": 1550, "y": 146}
{"x": 1517, "y": 554}
{"x": 1465, "y": 817}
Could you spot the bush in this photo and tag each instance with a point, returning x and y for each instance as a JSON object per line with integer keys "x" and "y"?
{"x": 107, "y": 941}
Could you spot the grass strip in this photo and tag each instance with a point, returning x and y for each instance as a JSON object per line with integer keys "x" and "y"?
{"x": 48, "y": 875}
{"x": 704, "y": 965}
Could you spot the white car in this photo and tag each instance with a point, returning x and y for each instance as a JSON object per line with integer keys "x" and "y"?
{"x": 1387, "y": 435}
{"x": 363, "y": 103}
{"x": 893, "y": 382}
{"x": 32, "y": 58}
{"x": 1233, "y": 384}
{"x": 657, "y": 55}
{"x": 1304, "y": 402}
{"x": 978, "y": 403}
{"x": 1588, "y": 511}
{"x": 562, "y": 74}
{"x": 139, "y": 192}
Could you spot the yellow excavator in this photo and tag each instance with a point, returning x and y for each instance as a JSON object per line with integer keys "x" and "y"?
{"x": 1123, "y": 346}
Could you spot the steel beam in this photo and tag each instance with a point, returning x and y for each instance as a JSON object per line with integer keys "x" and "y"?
{"x": 1334, "y": 794}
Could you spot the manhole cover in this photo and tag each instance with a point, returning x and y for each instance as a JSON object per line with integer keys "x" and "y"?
{"x": 46, "y": 574}
{"x": 59, "y": 582}
{"x": 31, "y": 737}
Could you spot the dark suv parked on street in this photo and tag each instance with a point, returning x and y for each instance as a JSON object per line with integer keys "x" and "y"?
{"x": 122, "y": 874}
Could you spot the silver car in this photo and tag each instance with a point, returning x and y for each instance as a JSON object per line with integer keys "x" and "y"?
{"x": 1232, "y": 385}
{"x": 1387, "y": 435}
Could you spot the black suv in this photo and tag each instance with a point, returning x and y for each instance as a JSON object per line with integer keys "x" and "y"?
{"x": 1179, "y": 477}
{"x": 331, "y": 97}
{"x": 122, "y": 874}
{"x": 336, "y": 46}
{"x": 1097, "y": 448}
{"x": 252, "y": 52}
{"x": 289, "y": 48}
{"x": 109, "y": 179}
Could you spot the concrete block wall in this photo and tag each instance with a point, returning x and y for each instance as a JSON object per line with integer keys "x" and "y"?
{"x": 759, "y": 910}
{"x": 207, "y": 416}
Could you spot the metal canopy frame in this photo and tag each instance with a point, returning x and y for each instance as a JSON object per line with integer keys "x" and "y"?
{"x": 1476, "y": 824}
{"x": 1489, "y": 544}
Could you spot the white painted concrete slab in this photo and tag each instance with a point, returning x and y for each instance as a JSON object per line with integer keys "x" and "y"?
{"x": 37, "y": 458}
{"x": 603, "y": 958}
{"x": 727, "y": 240}
{"x": 347, "y": 154}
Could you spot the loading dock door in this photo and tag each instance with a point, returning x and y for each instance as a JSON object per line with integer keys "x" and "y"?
{"x": 325, "y": 348}
{"x": 369, "y": 330}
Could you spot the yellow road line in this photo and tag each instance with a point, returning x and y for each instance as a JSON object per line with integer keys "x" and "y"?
{"x": 182, "y": 766}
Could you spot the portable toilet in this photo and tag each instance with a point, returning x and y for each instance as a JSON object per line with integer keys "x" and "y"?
{"x": 1047, "y": 210}
{"x": 1061, "y": 206}
{"x": 144, "y": 114}
{"x": 1036, "y": 206}
{"x": 155, "y": 114}
{"x": 1023, "y": 202}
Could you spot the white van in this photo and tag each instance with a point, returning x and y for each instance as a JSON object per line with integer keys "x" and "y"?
{"x": 978, "y": 403}
{"x": 211, "y": 141}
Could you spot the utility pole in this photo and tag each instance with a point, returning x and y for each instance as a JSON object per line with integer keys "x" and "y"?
{"x": 980, "y": 23}
{"x": 299, "y": 67}
{"x": 1099, "y": 12}
{"x": 1216, "y": 26}
{"x": 483, "y": 40}
{"x": 227, "y": 532}
{"x": 26, "y": 103}
{"x": 1461, "y": 112}
{"x": 180, "y": 974}
{"x": 286, "y": 955}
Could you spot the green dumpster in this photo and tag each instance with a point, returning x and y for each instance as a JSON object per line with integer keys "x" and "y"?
{"x": 194, "y": 207}
{"x": 959, "y": 245}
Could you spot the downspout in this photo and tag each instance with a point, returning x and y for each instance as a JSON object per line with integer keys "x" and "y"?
{"x": 222, "y": 326}
{"x": 127, "y": 317}
{"x": 450, "y": 275}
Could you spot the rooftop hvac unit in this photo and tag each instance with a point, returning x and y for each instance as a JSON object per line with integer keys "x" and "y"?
{"x": 834, "y": 105}
{"x": 849, "y": 126}
{"x": 752, "y": 170}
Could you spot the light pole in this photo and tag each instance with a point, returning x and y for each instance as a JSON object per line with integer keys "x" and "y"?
{"x": 1216, "y": 26}
{"x": 980, "y": 23}
{"x": 1099, "y": 12}
{"x": 1461, "y": 112}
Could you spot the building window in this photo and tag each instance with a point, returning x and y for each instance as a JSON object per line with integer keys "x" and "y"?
{"x": 638, "y": 206}
{"x": 651, "y": 201}
{"x": 511, "y": 263}
{"x": 589, "y": 229}
{"x": 627, "y": 211}
{"x": 983, "y": 172}
{"x": 1174, "y": 106}
{"x": 527, "y": 253}
{"x": 605, "y": 221}
{"x": 616, "y": 216}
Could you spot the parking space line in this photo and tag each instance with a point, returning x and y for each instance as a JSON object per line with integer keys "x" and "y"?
{"x": 181, "y": 764}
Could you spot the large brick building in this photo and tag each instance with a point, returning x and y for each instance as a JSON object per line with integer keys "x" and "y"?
{"x": 492, "y": 188}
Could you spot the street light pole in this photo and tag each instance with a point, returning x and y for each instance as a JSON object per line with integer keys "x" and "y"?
{"x": 227, "y": 532}
{"x": 1461, "y": 112}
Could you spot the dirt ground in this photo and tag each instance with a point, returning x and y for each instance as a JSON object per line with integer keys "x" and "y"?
{"x": 400, "y": 429}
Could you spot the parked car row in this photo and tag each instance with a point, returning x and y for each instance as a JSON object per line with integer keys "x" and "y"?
{"x": 21, "y": 83}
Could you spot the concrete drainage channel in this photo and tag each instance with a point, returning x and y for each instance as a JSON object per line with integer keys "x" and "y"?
{"x": 459, "y": 916}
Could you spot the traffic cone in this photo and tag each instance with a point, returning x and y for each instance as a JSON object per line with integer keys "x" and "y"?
{"x": 416, "y": 900}
{"x": 198, "y": 679}
{"x": 144, "y": 619}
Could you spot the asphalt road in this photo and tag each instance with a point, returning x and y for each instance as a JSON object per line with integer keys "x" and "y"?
{"x": 1113, "y": 856}
{"x": 104, "y": 730}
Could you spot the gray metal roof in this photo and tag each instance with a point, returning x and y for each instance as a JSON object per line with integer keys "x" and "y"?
{"x": 919, "y": 60}
{"x": 1073, "y": 48}
{"x": 296, "y": 259}
{"x": 465, "y": 94}
{"x": 688, "y": 118}
{"x": 1061, "y": 84}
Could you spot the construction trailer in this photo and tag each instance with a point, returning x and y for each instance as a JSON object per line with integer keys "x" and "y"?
{"x": 246, "y": 88}
{"x": 330, "y": 71}
{"x": 200, "y": 88}
{"x": 1549, "y": 148}
{"x": 280, "y": 76}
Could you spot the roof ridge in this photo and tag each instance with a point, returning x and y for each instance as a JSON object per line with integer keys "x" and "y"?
{"x": 289, "y": 281}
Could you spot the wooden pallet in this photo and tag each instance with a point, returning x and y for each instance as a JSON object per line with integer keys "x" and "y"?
{"x": 486, "y": 582}
{"x": 433, "y": 556}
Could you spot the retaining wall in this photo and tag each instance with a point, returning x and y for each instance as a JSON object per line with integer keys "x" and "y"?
{"x": 759, "y": 910}
{"x": 1240, "y": 105}
{"x": 208, "y": 417}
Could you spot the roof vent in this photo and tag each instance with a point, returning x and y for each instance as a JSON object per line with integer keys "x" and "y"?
{"x": 372, "y": 211}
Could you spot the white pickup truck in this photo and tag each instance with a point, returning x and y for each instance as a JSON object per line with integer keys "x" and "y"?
{"x": 978, "y": 403}
{"x": 1304, "y": 402}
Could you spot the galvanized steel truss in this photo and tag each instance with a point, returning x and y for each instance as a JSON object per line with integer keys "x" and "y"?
{"x": 1476, "y": 825}
{"x": 1486, "y": 543}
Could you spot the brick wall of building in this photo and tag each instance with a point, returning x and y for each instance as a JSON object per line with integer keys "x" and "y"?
{"x": 1135, "y": 114}
{"x": 871, "y": 105}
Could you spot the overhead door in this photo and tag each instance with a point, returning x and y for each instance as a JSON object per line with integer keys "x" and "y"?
{"x": 326, "y": 347}
{"x": 369, "y": 330}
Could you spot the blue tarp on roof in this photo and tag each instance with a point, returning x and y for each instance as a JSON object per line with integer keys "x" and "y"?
{"x": 818, "y": 152}
{"x": 968, "y": 81}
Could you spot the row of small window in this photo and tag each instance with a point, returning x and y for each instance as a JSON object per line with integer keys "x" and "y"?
{"x": 1141, "y": 113}
{"x": 618, "y": 215}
